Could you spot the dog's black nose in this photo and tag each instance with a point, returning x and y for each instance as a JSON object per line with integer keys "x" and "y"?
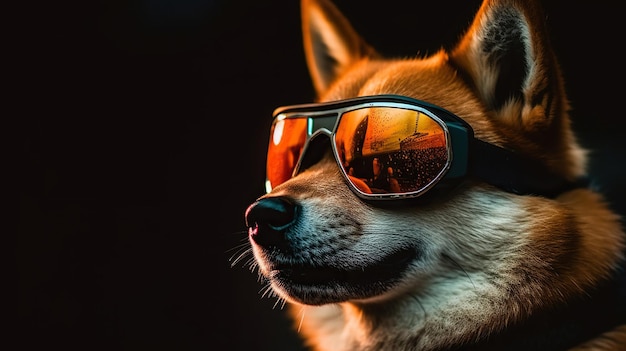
{"x": 268, "y": 218}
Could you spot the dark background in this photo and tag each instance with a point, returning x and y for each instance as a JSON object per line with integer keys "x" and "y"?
{"x": 145, "y": 130}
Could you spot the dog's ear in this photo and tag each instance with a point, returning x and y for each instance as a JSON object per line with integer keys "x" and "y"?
{"x": 330, "y": 42}
{"x": 506, "y": 56}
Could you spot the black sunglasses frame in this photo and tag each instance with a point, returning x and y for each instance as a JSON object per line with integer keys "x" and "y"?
{"x": 468, "y": 156}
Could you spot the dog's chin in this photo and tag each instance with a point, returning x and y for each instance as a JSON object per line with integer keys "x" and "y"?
{"x": 318, "y": 285}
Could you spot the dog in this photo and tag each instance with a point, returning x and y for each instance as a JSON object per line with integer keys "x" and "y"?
{"x": 517, "y": 252}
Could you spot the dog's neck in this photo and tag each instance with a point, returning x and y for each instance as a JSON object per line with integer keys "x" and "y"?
{"x": 568, "y": 326}
{"x": 559, "y": 328}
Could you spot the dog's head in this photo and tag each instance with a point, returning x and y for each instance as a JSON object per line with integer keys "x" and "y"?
{"x": 317, "y": 242}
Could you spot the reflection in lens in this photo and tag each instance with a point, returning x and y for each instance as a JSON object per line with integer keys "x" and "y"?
{"x": 287, "y": 139}
{"x": 391, "y": 150}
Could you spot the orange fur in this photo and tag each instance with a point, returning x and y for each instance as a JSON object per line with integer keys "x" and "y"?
{"x": 488, "y": 259}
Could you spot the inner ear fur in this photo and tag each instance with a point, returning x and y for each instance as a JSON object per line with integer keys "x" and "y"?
{"x": 331, "y": 44}
{"x": 506, "y": 57}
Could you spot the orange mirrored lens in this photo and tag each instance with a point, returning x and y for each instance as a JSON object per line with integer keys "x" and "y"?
{"x": 391, "y": 150}
{"x": 287, "y": 139}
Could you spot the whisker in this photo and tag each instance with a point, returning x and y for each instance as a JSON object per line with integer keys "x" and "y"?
{"x": 266, "y": 291}
{"x": 279, "y": 301}
{"x": 251, "y": 262}
{"x": 302, "y": 312}
{"x": 244, "y": 243}
{"x": 243, "y": 252}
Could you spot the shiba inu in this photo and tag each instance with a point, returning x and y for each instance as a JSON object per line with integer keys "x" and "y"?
{"x": 437, "y": 202}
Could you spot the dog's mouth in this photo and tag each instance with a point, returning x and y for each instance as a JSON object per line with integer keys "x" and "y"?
{"x": 316, "y": 285}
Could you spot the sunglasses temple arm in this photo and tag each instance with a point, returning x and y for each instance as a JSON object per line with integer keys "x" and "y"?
{"x": 515, "y": 173}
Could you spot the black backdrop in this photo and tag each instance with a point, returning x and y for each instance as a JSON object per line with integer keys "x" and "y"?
{"x": 145, "y": 126}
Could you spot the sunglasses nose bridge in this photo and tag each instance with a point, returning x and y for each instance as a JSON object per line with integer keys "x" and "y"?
{"x": 314, "y": 150}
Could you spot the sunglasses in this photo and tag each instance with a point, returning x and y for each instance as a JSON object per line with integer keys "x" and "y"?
{"x": 395, "y": 147}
